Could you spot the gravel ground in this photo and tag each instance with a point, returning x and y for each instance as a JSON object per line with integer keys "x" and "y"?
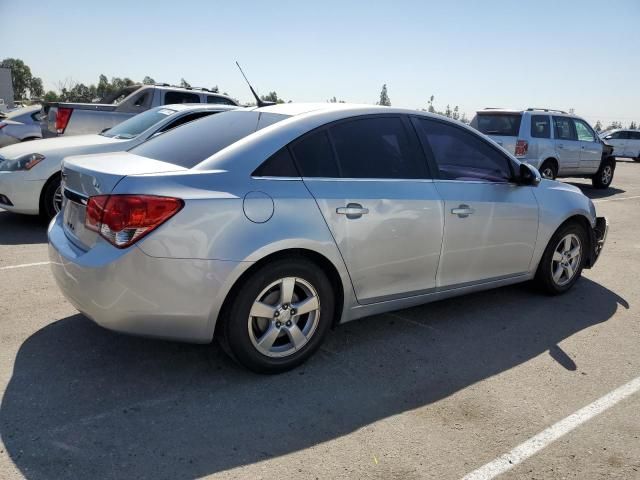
{"x": 429, "y": 392}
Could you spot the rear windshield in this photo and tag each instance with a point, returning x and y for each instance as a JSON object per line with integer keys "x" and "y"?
{"x": 189, "y": 145}
{"x": 139, "y": 123}
{"x": 503, "y": 124}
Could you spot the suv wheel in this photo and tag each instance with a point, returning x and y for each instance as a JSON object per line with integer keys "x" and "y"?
{"x": 549, "y": 170}
{"x": 279, "y": 317}
{"x": 563, "y": 259}
{"x": 604, "y": 175}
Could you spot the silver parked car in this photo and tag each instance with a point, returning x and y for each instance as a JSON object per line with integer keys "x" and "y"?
{"x": 20, "y": 126}
{"x": 557, "y": 143}
{"x": 295, "y": 217}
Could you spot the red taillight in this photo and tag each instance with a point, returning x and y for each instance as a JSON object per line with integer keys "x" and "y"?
{"x": 522, "y": 146}
{"x": 2, "y": 125}
{"x": 124, "y": 219}
{"x": 62, "y": 118}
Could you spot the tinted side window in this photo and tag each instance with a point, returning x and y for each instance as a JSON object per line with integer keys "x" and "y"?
{"x": 563, "y": 127}
{"x": 621, "y": 136}
{"x": 634, "y": 135}
{"x": 540, "y": 126}
{"x": 181, "y": 97}
{"x": 461, "y": 155}
{"x": 185, "y": 119}
{"x": 314, "y": 156}
{"x": 585, "y": 134}
{"x": 219, "y": 100}
{"x": 280, "y": 164}
{"x": 376, "y": 148}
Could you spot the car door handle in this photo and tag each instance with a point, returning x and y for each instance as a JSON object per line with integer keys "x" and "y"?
{"x": 463, "y": 211}
{"x": 352, "y": 210}
{"x": 560, "y": 146}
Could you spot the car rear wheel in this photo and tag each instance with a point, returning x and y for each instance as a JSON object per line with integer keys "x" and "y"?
{"x": 279, "y": 316}
{"x": 604, "y": 175}
{"x": 51, "y": 200}
{"x": 549, "y": 170}
{"x": 563, "y": 259}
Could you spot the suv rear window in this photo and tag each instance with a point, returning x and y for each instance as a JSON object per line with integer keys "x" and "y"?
{"x": 194, "y": 142}
{"x": 502, "y": 124}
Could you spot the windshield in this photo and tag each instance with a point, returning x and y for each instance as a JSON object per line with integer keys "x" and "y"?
{"x": 189, "y": 145}
{"x": 503, "y": 124}
{"x": 139, "y": 123}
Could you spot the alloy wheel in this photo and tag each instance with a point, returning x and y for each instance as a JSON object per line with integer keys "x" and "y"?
{"x": 607, "y": 174}
{"x": 565, "y": 261}
{"x": 57, "y": 199}
{"x": 284, "y": 317}
{"x": 547, "y": 173}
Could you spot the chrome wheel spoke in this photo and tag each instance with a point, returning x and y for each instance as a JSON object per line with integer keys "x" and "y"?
{"x": 259, "y": 309}
{"x": 296, "y": 336}
{"x": 557, "y": 256}
{"x": 567, "y": 243}
{"x": 569, "y": 270}
{"x": 269, "y": 337}
{"x": 306, "y": 306}
{"x": 574, "y": 252}
{"x": 557, "y": 274}
{"x": 286, "y": 290}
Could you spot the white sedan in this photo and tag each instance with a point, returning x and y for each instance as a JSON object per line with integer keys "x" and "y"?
{"x": 30, "y": 172}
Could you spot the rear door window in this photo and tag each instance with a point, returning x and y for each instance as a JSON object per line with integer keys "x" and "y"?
{"x": 634, "y": 135}
{"x": 181, "y": 97}
{"x": 314, "y": 156}
{"x": 540, "y": 126}
{"x": 564, "y": 129}
{"x": 502, "y": 124}
{"x": 376, "y": 147}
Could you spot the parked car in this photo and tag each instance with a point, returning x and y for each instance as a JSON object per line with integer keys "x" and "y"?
{"x": 20, "y": 126}
{"x": 81, "y": 118}
{"x": 331, "y": 213}
{"x": 625, "y": 142}
{"x": 30, "y": 173}
{"x": 555, "y": 142}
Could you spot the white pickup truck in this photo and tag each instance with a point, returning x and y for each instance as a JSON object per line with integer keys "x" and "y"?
{"x": 82, "y": 118}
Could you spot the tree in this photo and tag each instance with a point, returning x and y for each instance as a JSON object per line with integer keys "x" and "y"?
{"x": 36, "y": 90}
{"x": 272, "y": 97}
{"x": 50, "y": 96}
{"x": 598, "y": 126}
{"x": 184, "y": 83}
{"x": 633, "y": 126}
{"x": 447, "y": 112}
{"x": 335, "y": 100}
{"x": 464, "y": 119}
{"x": 148, "y": 80}
{"x": 384, "y": 97}
{"x": 430, "y": 103}
{"x": 456, "y": 113}
{"x": 20, "y": 76}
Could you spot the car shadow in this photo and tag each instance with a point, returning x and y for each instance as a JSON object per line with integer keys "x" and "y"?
{"x": 21, "y": 229}
{"x": 84, "y": 402}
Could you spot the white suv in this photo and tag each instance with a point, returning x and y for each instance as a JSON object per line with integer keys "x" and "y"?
{"x": 555, "y": 142}
{"x": 626, "y": 143}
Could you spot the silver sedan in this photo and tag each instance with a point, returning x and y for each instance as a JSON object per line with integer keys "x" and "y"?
{"x": 20, "y": 125}
{"x": 265, "y": 226}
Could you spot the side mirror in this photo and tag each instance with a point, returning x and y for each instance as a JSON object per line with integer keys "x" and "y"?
{"x": 529, "y": 175}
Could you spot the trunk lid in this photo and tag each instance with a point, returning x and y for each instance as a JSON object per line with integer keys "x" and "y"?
{"x": 89, "y": 175}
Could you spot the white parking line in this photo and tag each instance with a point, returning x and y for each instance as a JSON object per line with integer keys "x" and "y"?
{"x": 616, "y": 199}
{"x": 532, "y": 446}
{"x": 24, "y": 265}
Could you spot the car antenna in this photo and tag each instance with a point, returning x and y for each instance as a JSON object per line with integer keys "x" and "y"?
{"x": 259, "y": 101}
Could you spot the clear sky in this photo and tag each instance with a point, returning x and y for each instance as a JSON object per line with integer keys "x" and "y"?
{"x": 563, "y": 54}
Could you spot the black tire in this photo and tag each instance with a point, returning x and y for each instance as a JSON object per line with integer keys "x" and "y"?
{"x": 604, "y": 176}
{"x": 549, "y": 170}
{"x": 234, "y": 334}
{"x": 47, "y": 207}
{"x": 545, "y": 274}
{"x": 28, "y": 139}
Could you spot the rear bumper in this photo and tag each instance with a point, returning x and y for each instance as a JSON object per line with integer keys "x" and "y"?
{"x": 131, "y": 292}
{"x": 22, "y": 193}
{"x": 598, "y": 239}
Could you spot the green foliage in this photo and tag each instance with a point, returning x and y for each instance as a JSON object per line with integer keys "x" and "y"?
{"x": 384, "y": 97}
{"x": 36, "y": 89}
{"x": 184, "y": 83}
{"x": 272, "y": 97}
{"x": 148, "y": 80}
{"x": 335, "y": 100}
{"x": 24, "y": 83}
{"x": 50, "y": 96}
{"x": 633, "y": 126}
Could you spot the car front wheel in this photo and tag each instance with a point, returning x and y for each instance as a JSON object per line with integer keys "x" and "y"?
{"x": 279, "y": 316}
{"x": 563, "y": 259}
{"x": 548, "y": 170}
{"x": 604, "y": 176}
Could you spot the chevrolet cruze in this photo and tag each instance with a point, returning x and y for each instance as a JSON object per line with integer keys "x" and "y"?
{"x": 264, "y": 227}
